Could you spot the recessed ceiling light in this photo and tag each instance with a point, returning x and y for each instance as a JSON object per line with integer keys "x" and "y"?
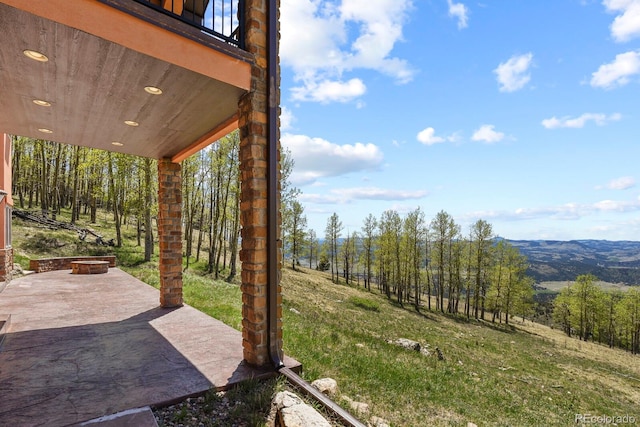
{"x": 45, "y": 130}
{"x": 153, "y": 90}
{"x": 117, "y": 144}
{"x": 42, "y": 103}
{"x": 35, "y": 55}
{"x": 131, "y": 123}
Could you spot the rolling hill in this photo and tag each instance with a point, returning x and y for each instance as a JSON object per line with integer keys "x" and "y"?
{"x": 609, "y": 261}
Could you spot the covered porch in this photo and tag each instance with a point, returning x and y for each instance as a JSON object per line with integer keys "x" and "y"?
{"x": 82, "y": 347}
{"x": 138, "y": 77}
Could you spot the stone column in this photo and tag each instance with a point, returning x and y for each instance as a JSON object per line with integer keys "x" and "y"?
{"x": 170, "y": 232}
{"x": 254, "y": 162}
{"x": 6, "y": 251}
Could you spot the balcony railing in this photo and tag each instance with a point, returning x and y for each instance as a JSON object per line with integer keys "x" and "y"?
{"x": 218, "y": 18}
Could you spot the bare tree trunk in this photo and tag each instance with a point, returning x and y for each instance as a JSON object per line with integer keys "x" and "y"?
{"x": 234, "y": 237}
{"x": 116, "y": 210}
{"x": 75, "y": 207}
{"x": 200, "y": 230}
{"x": 148, "y": 201}
{"x": 55, "y": 193}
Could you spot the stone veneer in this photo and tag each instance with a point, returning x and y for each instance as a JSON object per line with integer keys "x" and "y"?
{"x": 170, "y": 232}
{"x": 6, "y": 265}
{"x": 254, "y": 149}
{"x": 64, "y": 263}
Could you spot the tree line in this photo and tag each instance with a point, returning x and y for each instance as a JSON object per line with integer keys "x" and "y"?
{"x": 426, "y": 264}
{"x": 49, "y": 177}
{"x": 611, "y": 317}
{"x": 430, "y": 264}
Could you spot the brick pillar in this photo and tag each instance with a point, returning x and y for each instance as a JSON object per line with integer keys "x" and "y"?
{"x": 170, "y": 232}
{"x": 254, "y": 149}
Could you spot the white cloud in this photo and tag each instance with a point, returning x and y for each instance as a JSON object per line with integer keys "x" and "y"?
{"x": 286, "y": 118}
{"x": 310, "y": 35}
{"x": 568, "y": 211}
{"x": 460, "y": 11}
{"x": 563, "y": 212}
{"x": 626, "y": 25}
{"x": 618, "y": 72}
{"x": 321, "y": 40}
{"x": 513, "y": 75}
{"x": 322, "y": 199}
{"x": 616, "y": 205}
{"x": 427, "y": 136}
{"x": 374, "y": 193}
{"x": 348, "y": 195}
{"x": 622, "y": 183}
{"x": 317, "y": 158}
{"x": 581, "y": 121}
{"x": 487, "y": 133}
{"x": 329, "y": 91}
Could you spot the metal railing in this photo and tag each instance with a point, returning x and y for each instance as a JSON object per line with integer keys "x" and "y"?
{"x": 217, "y": 18}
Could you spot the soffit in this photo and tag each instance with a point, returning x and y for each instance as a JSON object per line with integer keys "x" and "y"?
{"x": 94, "y": 85}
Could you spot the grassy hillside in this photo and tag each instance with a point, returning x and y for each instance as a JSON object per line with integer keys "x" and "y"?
{"x": 527, "y": 375}
{"x": 524, "y": 375}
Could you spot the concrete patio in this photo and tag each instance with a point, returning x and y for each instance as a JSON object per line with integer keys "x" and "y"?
{"x": 81, "y": 347}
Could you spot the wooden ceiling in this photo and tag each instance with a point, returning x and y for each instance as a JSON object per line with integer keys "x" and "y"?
{"x": 95, "y": 85}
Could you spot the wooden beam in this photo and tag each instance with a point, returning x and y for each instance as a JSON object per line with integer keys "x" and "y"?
{"x": 207, "y": 139}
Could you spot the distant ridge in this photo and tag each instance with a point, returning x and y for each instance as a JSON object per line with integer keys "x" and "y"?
{"x": 556, "y": 260}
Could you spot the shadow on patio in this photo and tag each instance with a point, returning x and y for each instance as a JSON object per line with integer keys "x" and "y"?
{"x": 83, "y": 346}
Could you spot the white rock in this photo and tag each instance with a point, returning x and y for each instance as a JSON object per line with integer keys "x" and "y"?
{"x": 285, "y": 399}
{"x": 302, "y": 416}
{"x": 328, "y": 386}
{"x": 378, "y": 422}
{"x": 358, "y": 407}
{"x": 293, "y": 412}
{"x": 407, "y": 343}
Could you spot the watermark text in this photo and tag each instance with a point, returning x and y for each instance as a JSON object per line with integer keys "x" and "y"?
{"x": 605, "y": 419}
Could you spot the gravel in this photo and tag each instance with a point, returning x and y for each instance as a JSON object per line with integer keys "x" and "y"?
{"x": 245, "y": 406}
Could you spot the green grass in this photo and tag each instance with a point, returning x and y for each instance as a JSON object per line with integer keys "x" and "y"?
{"x": 491, "y": 374}
{"x": 364, "y": 303}
{"x": 522, "y": 375}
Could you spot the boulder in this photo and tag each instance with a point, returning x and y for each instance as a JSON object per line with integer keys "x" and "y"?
{"x": 378, "y": 422}
{"x": 286, "y": 399}
{"x": 406, "y": 343}
{"x": 293, "y": 412}
{"x": 358, "y": 408}
{"x": 328, "y": 386}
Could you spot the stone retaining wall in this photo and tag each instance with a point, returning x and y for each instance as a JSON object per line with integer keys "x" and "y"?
{"x": 51, "y": 264}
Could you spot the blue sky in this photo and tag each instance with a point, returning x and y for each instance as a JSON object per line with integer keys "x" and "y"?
{"x": 524, "y": 113}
